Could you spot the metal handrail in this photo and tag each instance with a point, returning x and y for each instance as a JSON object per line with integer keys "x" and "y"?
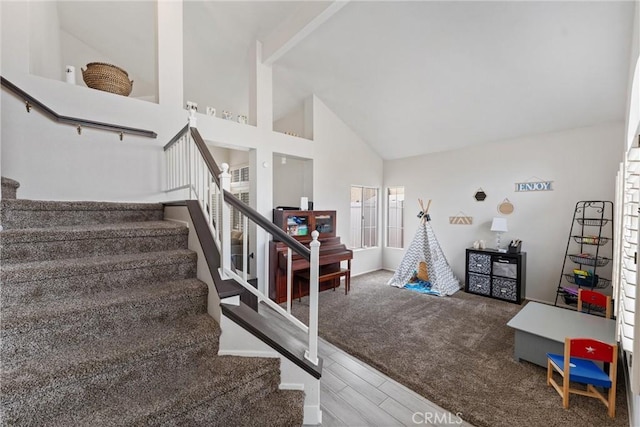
{"x": 31, "y": 102}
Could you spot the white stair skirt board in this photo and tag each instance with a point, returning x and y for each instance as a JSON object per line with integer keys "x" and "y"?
{"x": 291, "y": 377}
{"x": 234, "y": 300}
{"x": 236, "y": 341}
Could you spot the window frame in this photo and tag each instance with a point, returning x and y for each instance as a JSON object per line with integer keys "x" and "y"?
{"x": 399, "y": 215}
{"x": 373, "y": 230}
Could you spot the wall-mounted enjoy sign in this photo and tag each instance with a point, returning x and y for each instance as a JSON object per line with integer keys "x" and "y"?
{"x": 534, "y": 186}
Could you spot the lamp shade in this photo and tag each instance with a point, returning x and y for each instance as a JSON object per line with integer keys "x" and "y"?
{"x": 499, "y": 224}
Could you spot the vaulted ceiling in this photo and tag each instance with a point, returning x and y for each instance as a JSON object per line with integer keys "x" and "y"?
{"x": 409, "y": 77}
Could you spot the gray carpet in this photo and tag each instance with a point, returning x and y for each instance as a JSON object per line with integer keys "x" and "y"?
{"x": 455, "y": 351}
{"x": 104, "y": 323}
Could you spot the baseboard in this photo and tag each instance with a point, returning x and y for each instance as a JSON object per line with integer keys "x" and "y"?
{"x": 541, "y": 301}
{"x": 369, "y": 271}
{"x": 291, "y": 386}
{"x": 234, "y": 300}
{"x": 634, "y": 416}
{"x": 312, "y": 415}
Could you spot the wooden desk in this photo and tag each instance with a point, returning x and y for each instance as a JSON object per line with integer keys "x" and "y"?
{"x": 541, "y": 329}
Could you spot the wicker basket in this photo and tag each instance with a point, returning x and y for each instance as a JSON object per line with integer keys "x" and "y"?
{"x": 108, "y": 78}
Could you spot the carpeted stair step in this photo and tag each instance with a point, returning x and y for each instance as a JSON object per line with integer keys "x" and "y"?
{"x": 18, "y": 214}
{"x": 67, "y": 375}
{"x": 29, "y": 329}
{"x": 282, "y": 408}
{"x": 40, "y": 244}
{"x": 74, "y": 363}
{"x": 221, "y": 388}
{"x": 9, "y": 188}
{"x": 40, "y": 281}
{"x": 103, "y": 322}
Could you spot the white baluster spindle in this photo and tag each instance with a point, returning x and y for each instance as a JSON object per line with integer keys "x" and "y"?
{"x": 245, "y": 246}
{"x": 225, "y": 184}
{"x": 314, "y": 265}
{"x": 289, "y": 256}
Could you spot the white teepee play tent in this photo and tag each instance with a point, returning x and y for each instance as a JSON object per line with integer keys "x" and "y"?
{"x": 425, "y": 247}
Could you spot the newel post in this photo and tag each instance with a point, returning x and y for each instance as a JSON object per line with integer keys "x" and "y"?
{"x": 193, "y": 123}
{"x": 312, "y": 353}
{"x": 225, "y": 221}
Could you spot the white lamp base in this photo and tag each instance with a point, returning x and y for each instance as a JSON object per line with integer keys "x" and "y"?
{"x": 498, "y": 248}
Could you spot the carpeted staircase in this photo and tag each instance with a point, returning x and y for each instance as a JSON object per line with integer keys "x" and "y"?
{"x": 104, "y": 323}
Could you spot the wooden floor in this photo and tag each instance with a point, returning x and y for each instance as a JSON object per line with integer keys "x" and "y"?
{"x": 355, "y": 394}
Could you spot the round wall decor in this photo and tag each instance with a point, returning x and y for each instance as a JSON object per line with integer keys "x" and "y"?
{"x": 506, "y": 207}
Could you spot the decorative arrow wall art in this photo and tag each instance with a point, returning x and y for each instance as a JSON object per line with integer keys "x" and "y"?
{"x": 461, "y": 219}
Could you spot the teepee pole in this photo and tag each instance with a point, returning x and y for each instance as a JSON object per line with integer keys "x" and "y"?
{"x": 424, "y": 213}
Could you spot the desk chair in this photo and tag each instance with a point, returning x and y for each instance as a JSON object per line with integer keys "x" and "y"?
{"x": 577, "y": 365}
{"x": 595, "y": 298}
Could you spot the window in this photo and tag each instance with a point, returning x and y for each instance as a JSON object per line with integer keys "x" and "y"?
{"x": 395, "y": 217}
{"x": 240, "y": 175}
{"x": 364, "y": 217}
{"x": 626, "y": 278}
{"x": 240, "y": 188}
{"x": 236, "y": 215}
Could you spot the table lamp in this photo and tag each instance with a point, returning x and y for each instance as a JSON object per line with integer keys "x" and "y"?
{"x": 499, "y": 225}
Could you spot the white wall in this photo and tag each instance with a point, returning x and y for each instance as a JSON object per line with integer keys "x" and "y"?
{"x": 294, "y": 122}
{"x": 239, "y": 158}
{"x": 202, "y": 63}
{"x": 52, "y": 162}
{"x": 291, "y": 180}
{"x": 48, "y": 48}
{"x": 77, "y": 53}
{"x": 15, "y": 45}
{"x": 44, "y": 40}
{"x": 230, "y": 156}
{"x": 633, "y": 84}
{"x": 220, "y": 154}
{"x": 582, "y": 164}
{"x": 341, "y": 159}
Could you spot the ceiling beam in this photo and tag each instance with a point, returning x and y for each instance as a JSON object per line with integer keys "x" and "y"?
{"x": 292, "y": 31}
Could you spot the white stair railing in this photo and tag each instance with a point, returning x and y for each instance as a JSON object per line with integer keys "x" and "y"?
{"x": 191, "y": 167}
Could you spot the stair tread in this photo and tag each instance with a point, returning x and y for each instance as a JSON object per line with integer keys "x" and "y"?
{"x": 35, "y": 270}
{"x": 38, "y": 313}
{"x": 290, "y": 403}
{"x": 213, "y": 383}
{"x": 88, "y": 358}
{"x": 118, "y": 347}
{"x": 51, "y": 205}
{"x": 279, "y": 408}
{"x": 93, "y": 231}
